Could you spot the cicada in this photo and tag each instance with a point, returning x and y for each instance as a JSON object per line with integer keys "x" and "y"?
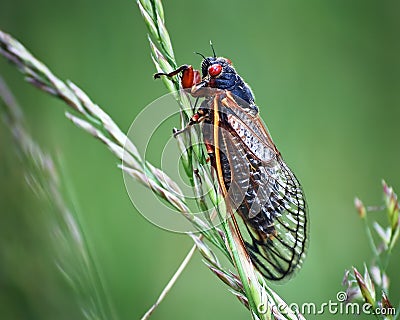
{"x": 260, "y": 186}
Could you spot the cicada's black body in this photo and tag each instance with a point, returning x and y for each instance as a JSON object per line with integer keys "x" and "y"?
{"x": 262, "y": 189}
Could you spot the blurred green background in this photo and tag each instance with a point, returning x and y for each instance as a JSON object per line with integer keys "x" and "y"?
{"x": 326, "y": 78}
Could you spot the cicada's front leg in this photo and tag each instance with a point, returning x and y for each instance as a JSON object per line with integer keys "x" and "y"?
{"x": 189, "y": 79}
{"x": 189, "y": 76}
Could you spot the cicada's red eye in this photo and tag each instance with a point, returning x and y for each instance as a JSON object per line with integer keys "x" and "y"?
{"x": 214, "y": 70}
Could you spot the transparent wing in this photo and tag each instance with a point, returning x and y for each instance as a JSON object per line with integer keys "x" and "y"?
{"x": 274, "y": 215}
{"x": 265, "y": 192}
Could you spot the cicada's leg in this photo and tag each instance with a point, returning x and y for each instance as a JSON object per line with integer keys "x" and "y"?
{"x": 197, "y": 174}
{"x": 173, "y": 73}
{"x": 199, "y": 116}
{"x": 189, "y": 77}
{"x": 210, "y": 152}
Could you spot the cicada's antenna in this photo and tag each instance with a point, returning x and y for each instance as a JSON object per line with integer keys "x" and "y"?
{"x": 200, "y": 55}
{"x": 212, "y": 48}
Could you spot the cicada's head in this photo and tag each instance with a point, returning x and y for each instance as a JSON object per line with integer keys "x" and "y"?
{"x": 218, "y": 73}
